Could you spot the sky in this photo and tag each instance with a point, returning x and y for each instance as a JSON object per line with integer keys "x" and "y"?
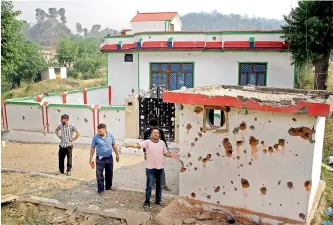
{"x": 116, "y": 14}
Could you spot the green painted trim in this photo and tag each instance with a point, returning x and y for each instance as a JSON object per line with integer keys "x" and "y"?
{"x": 96, "y": 88}
{"x": 50, "y": 95}
{"x": 73, "y": 91}
{"x": 251, "y": 39}
{"x": 205, "y": 50}
{"x": 22, "y": 99}
{"x": 120, "y": 42}
{"x": 253, "y": 32}
{"x": 112, "y": 107}
{"x": 295, "y": 76}
{"x": 266, "y": 74}
{"x": 138, "y": 72}
{"x": 23, "y": 103}
{"x": 107, "y": 69}
{"x": 120, "y": 36}
{"x": 170, "y": 39}
{"x": 69, "y": 106}
{"x": 140, "y": 40}
{"x": 211, "y": 32}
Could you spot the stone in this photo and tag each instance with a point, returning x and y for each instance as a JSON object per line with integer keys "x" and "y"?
{"x": 178, "y": 222}
{"x": 94, "y": 207}
{"x": 71, "y": 209}
{"x": 116, "y": 222}
{"x": 189, "y": 221}
{"x": 204, "y": 216}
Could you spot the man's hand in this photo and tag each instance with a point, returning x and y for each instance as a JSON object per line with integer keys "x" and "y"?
{"x": 145, "y": 156}
{"x": 117, "y": 158}
{"x": 92, "y": 163}
{"x": 175, "y": 155}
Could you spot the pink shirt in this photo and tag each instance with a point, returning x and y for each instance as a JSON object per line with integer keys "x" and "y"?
{"x": 155, "y": 153}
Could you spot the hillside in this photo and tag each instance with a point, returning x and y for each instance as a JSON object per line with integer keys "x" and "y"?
{"x": 204, "y": 21}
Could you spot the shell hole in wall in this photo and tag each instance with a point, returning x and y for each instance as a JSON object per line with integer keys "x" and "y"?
{"x": 192, "y": 144}
{"x": 23, "y": 117}
{"x": 227, "y": 146}
{"x": 252, "y": 127}
{"x": 85, "y": 120}
{"x": 242, "y": 126}
{"x": 198, "y": 109}
{"x": 263, "y": 190}
{"x": 209, "y": 156}
{"x": 290, "y": 185}
{"x": 193, "y": 195}
{"x": 236, "y": 130}
{"x": 58, "y": 110}
{"x": 307, "y": 185}
{"x": 282, "y": 142}
{"x": 245, "y": 183}
{"x": 270, "y": 149}
{"x": 217, "y": 189}
{"x": 303, "y": 132}
{"x": 188, "y": 126}
{"x": 239, "y": 143}
{"x": 302, "y": 216}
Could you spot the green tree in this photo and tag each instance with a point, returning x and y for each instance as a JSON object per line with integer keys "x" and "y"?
{"x": 11, "y": 42}
{"x": 53, "y": 13}
{"x": 41, "y": 15}
{"x": 67, "y": 51}
{"x": 62, "y": 13}
{"x": 309, "y": 30}
{"x": 79, "y": 28}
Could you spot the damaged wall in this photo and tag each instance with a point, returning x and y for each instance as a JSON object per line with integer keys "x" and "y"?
{"x": 271, "y": 168}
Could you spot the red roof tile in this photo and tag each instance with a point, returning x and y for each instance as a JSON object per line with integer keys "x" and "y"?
{"x": 128, "y": 46}
{"x": 214, "y": 45}
{"x": 109, "y": 47}
{"x": 236, "y": 44}
{"x": 268, "y": 44}
{"x": 155, "y": 44}
{"x": 159, "y": 16}
{"x": 189, "y": 44}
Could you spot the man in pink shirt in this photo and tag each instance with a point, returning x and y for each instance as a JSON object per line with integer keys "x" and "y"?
{"x": 155, "y": 150}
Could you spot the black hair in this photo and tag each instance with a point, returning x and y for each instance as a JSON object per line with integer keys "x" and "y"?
{"x": 101, "y": 126}
{"x": 65, "y": 117}
{"x": 154, "y": 128}
{"x": 153, "y": 123}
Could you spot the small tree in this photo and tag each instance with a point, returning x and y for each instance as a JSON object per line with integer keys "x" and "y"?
{"x": 62, "y": 13}
{"x": 67, "y": 51}
{"x": 79, "y": 28}
{"x": 309, "y": 30}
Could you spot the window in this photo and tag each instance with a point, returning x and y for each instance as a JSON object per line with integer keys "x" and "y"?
{"x": 128, "y": 57}
{"x": 172, "y": 27}
{"x": 252, "y": 74}
{"x": 171, "y": 76}
{"x": 216, "y": 119}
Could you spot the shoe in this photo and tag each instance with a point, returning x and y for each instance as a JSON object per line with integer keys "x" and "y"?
{"x": 69, "y": 173}
{"x": 100, "y": 193}
{"x": 166, "y": 188}
{"x": 58, "y": 173}
{"x": 160, "y": 203}
{"x": 146, "y": 206}
{"x": 110, "y": 189}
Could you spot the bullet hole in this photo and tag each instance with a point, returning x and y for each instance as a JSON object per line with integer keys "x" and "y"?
{"x": 262, "y": 142}
{"x": 236, "y": 130}
{"x": 201, "y": 129}
{"x": 269, "y": 121}
{"x": 307, "y": 185}
{"x": 195, "y": 168}
{"x": 263, "y": 190}
{"x": 23, "y": 117}
{"x": 104, "y": 116}
{"x": 182, "y": 170}
{"x": 252, "y": 127}
{"x": 204, "y": 160}
{"x": 85, "y": 120}
{"x": 302, "y": 216}
{"x": 217, "y": 153}
{"x": 246, "y": 112}
{"x": 235, "y": 189}
{"x": 303, "y": 132}
{"x": 188, "y": 155}
{"x": 297, "y": 203}
{"x": 270, "y": 149}
{"x": 218, "y": 202}
{"x": 208, "y": 156}
{"x": 239, "y": 143}
{"x": 265, "y": 150}
{"x": 245, "y": 183}
{"x": 188, "y": 127}
{"x": 223, "y": 193}
{"x": 192, "y": 144}
{"x": 196, "y": 139}
{"x": 250, "y": 163}
{"x": 227, "y": 146}
{"x": 58, "y": 110}
{"x": 193, "y": 195}
{"x": 232, "y": 182}
{"x": 290, "y": 185}
{"x": 199, "y": 134}
{"x": 296, "y": 155}
{"x": 198, "y": 109}
{"x": 282, "y": 142}
{"x": 241, "y": 165}
{"x": 245, "y": 151}
{"x": 280, "y": 204}
{"x": 279, "y": 182}
{"x": 190, "y": 164}
{"x": 255, "y": 119}
{"x": 276, "y": 147}
{"x": 294, "y": 119}
{"x": 217, "y": 189}
{"x": 253, "y": 142}
{"x": 242, "y": 126}
{"x": 269, "y": 203}
{"x": 208, "y": 197}
{"x": 238, "y": 158}
{"x": 200, "y": 158}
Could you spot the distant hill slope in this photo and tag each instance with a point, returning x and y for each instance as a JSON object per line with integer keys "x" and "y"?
{"x": 204, "y": 21}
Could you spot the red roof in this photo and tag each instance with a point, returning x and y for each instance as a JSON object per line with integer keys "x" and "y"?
{"x": 159, "y": 16}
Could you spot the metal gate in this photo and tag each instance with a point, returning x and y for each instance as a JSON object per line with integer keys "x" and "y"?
{"x": 152, "y": 106}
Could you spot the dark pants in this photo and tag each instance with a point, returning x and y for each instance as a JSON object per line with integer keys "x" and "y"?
{"x": 63, "y": 152}
{"x": 106, "y": 164}
{"x": 154, "y": 174}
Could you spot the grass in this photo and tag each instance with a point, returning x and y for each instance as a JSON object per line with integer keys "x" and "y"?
{"x": 53, "y": 86}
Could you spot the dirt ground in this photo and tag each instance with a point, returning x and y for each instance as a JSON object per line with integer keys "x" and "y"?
{"x": 128, "y": 173}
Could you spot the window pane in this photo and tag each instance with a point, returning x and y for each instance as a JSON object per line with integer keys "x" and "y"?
{"x": 246, "y": 68}
{"x": 261, "y": 79}
{"x": 164, "y": 66}
{"x": 243, "y": 79}
{"x": 175, "y": 67}
{"x": 187, "y": 66}
{"x": 259, "y": 67}
{"x": 189, "y": 80}
{"x": 155, "y": 66}
{"x": 173, "y": 84}
{"x": 181, "y": 80}
{"x": 252, "y": 79}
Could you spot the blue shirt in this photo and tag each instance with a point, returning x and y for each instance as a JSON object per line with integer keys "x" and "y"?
{"x": 103, "y": 145}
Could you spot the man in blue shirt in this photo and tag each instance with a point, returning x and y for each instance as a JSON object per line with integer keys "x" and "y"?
{"x": 104, "y": 143}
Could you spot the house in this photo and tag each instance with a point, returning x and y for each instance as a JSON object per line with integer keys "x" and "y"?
{"x": 52, "y": 73}
{"x": 48, "y": 54}
{"x": 256, "y": 151}
{"x": 154, "y": 55}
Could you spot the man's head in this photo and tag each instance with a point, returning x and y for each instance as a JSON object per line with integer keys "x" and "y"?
{"x": 101, "y": 128}
{"x": 155, "y": 133}
{"x": 153, "y": 123}
{"x": 64, "y": 119}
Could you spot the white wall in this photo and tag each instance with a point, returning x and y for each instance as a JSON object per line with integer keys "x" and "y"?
{"x": 221, "y": 67}
{"x": 75, "y": 97}
{"x": 145, "y": 26}
{"x": 53, "y": 98}
{"x": 49, "y": 73}
{"x": 25, "y": 116}
{"x": 98, "y": 96}
{"x": 123, "y": 77}
{"x": 175, "y": 22}
{"x": 289, "y": 163}
{"x": 114, "y": 118}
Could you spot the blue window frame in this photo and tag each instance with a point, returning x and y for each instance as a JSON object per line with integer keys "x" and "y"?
{"x": 171, "y": 76}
